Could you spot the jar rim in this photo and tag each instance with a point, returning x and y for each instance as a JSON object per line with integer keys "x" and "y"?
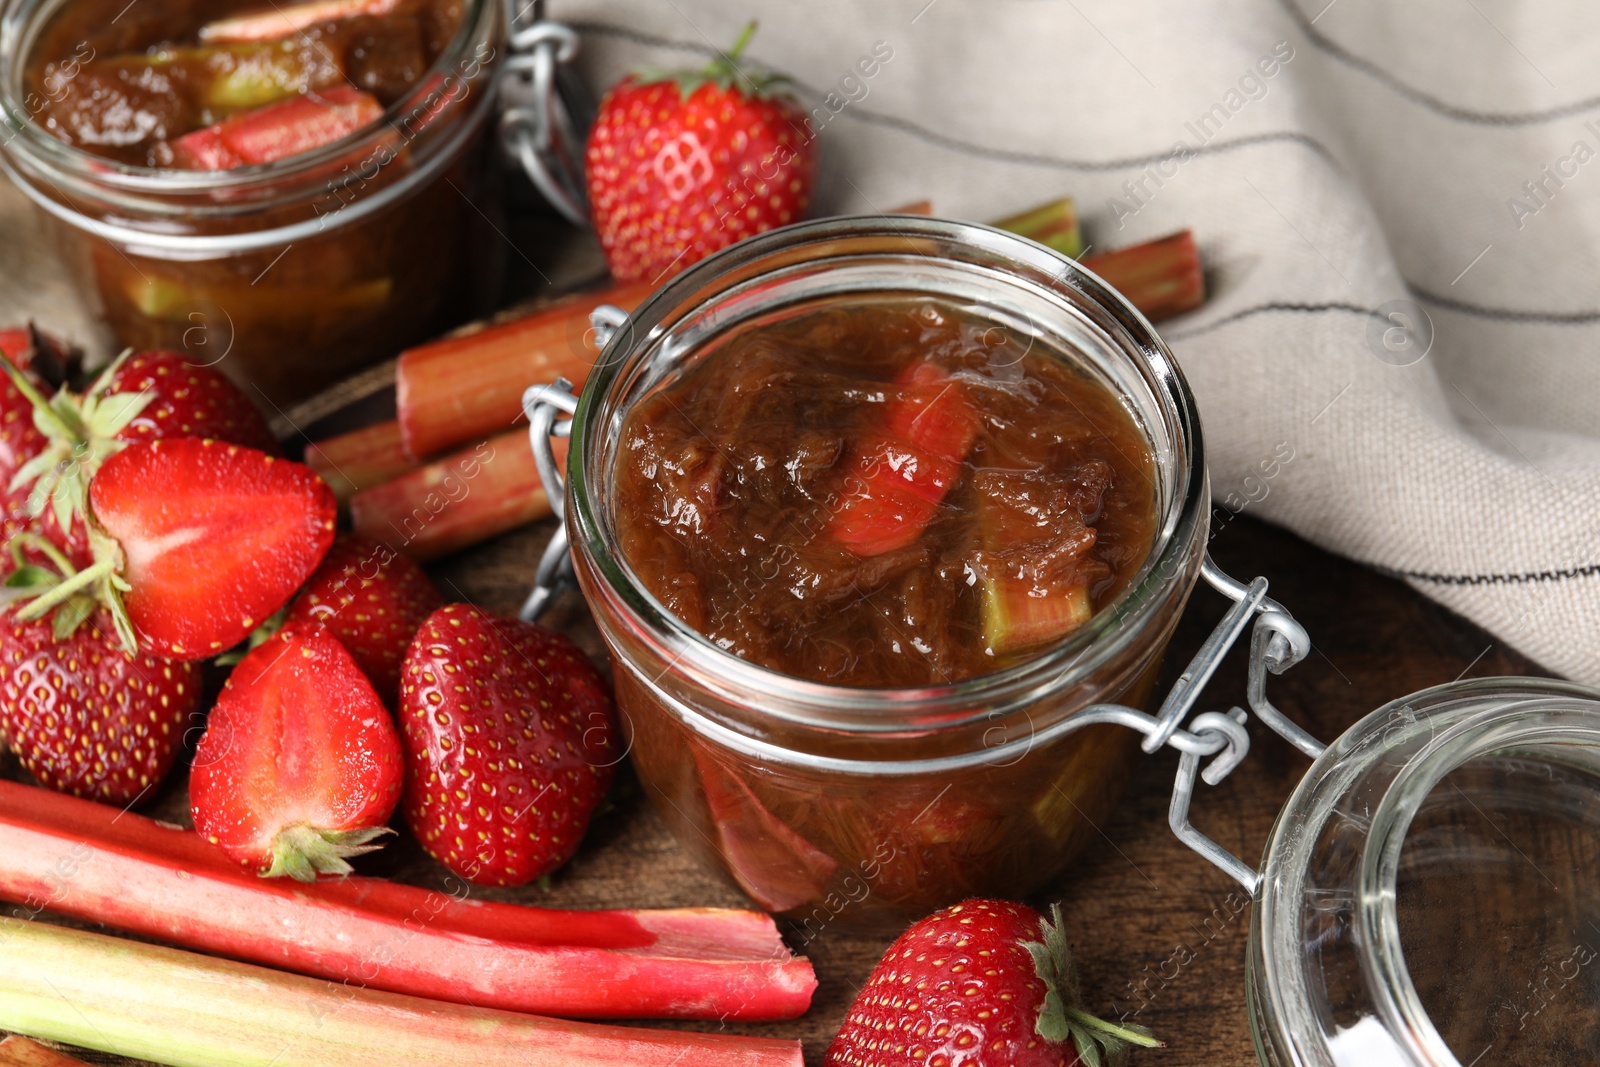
{"x": 861, "y": 710}
{"x": 30, "y": 147}
{"x": 1464, "y": 721}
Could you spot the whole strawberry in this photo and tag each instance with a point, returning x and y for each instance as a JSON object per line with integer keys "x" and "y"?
{"x": 510, "y": 744}
{"x": 47, "y": 358}
{"x": 83, "y": 716}
{"x": 985, "y": 983}
{"x": 681, "y": 165}
{"x": 373, "y": 600}
{"x": 186, "y": 400}
{"x": 20, "y": 442}
{"x": 300, "y": 766}
{"x": 44, "y": 362}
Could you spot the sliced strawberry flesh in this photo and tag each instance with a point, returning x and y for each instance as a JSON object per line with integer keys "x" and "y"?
{"x": 215, "y": 538}
{"x": 298, "y": 739}
{"x": 903, "y": 474}
{"x": 277, "y": 131}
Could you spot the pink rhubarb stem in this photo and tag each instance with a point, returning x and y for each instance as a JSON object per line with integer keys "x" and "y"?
{"x": 359, "y": 459}
{"x": 78, "y": 858}
{"x": 451, "y": 503}
{"x": 470, "y": 384}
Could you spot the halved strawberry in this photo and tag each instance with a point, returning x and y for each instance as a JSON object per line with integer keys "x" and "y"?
{"x": 510, "y": 743}
{"x": 139, "y": 397}
{"x": 373, "y": 600}
{"x": 300, "y": 767}
{"x": 209, "y": 540}
{"x": 902, "y": 473}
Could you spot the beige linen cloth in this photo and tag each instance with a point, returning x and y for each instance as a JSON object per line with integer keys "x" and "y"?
{"x": 1398, "y": 202}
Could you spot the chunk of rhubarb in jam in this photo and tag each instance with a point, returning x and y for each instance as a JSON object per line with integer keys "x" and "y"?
{"x": 902, "y": 475}
{"x": 277, "y": 131}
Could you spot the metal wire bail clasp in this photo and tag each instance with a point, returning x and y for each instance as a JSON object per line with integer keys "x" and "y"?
{"x": 547, "y": 110}
{"x": 1277, "y": 643}
{"x": 541, "y": 405}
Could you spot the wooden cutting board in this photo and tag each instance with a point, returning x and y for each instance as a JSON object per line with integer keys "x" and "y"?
{"x": 1161, "y": 934}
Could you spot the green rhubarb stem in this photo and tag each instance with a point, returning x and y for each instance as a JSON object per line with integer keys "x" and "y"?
{"x": 1054, "y": 225}
{"x": 186, "y": 1010}
{"x": 1131, "y": 1036}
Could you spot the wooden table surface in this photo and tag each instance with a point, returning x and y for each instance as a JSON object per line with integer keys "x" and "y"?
{"x": 1161, "y": 934}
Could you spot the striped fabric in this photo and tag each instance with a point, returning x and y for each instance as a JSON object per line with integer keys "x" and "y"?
{"x": 1399, "y": 206}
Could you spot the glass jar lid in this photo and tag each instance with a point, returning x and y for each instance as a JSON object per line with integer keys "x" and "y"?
{"x": 1431, "y": 892}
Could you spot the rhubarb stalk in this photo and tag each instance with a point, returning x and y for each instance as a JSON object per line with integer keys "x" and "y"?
{"x": 360, "y": 459}
{"x": 1161, "y": 278}
{"x": 1054, "y": 225}
{"x": 74, "y": 857}
{"x": 478, "y": 493}
{"x": 194, "y": 1011}
{"x": 470, "y": 385}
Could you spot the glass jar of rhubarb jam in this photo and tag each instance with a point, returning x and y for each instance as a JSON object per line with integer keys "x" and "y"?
{"x": 285, "y": 266}
{"x": 851, "y": 775}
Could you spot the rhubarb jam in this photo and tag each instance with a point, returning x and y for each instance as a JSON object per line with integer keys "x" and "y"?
{"x": 870, "y": 512}
{"x": 129, "y": 82}
{"x": 898, "y": 493}
{"x": 288, "y": 190}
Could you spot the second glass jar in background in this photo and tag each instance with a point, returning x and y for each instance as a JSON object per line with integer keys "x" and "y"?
{"x": 867, "y": 806}
{"x": 288, "y": 275}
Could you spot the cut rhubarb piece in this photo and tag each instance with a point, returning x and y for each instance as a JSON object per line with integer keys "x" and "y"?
{"x": 774, "y": 865}
{"x": 98, "y": 864}
{"x": 1033, "y": 560}
{"x": 1019, "y": 615}
{"x": 469, "y": 385}
{"x": 155, "y": 1003}
{"x": 233, "y": 77}
{"x": 1054, "y": 225}
{"x": 291, "y": 19}
{"x": 1161, "y": 278}
{"x": 461, "y": 500}
{"x": 902, "y": 474}
{"x": 277, "y": 131}
{"x": 359, "y": 459}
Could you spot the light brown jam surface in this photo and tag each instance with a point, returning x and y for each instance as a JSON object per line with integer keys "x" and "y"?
{"x": 894, "y": 492}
